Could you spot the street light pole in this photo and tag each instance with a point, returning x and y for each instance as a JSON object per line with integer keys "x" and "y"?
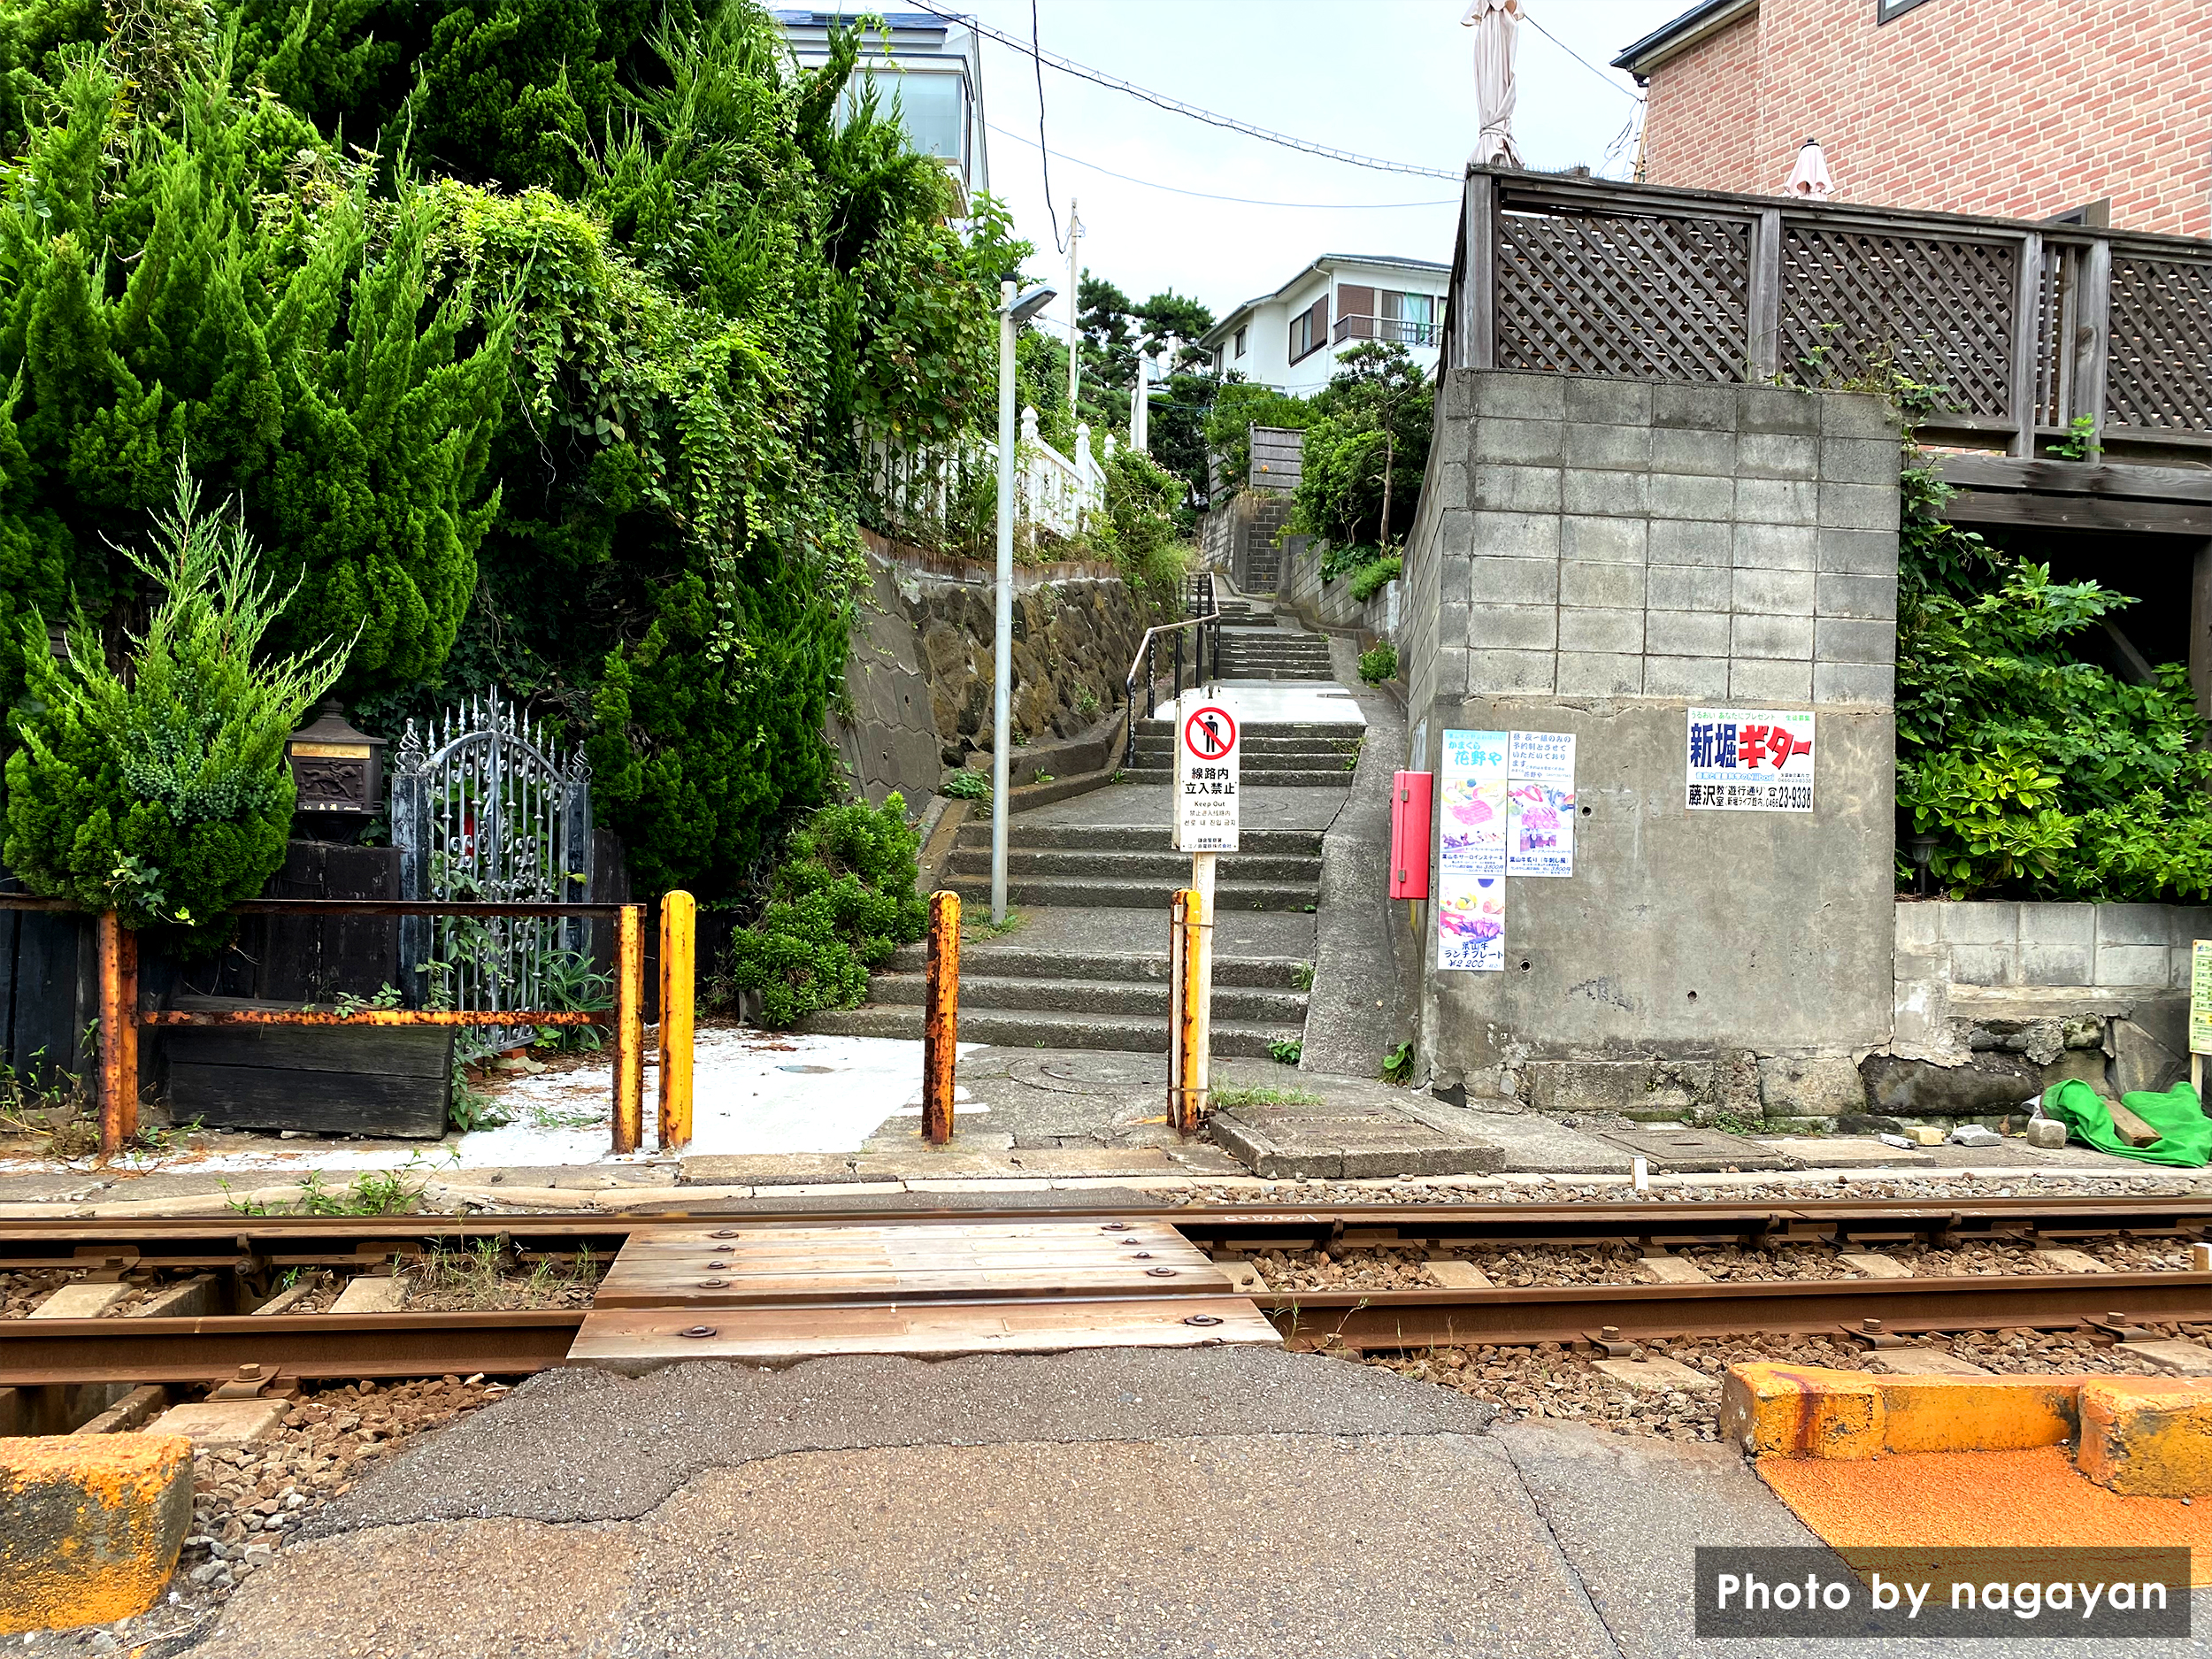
{"x": 1002, "y": 652}
{"x": 1012, "y": 311}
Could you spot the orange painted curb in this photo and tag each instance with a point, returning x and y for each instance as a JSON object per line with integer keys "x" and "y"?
{"x": 2149, "y": 1436}
{"x": 95, "y": 1524}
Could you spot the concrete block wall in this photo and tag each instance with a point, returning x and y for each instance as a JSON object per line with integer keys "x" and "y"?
{"x": 1596, "y": 557}
{"x": 1330, "y": 605}
{"x": 1957, "y": 962}
{"x": 1715, "y": 543}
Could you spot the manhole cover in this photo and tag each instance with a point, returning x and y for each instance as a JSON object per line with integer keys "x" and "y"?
{"x": 1684, "y": 1148}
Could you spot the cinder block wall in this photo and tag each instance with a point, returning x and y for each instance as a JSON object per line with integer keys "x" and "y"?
{"x": 1597, "y": 557}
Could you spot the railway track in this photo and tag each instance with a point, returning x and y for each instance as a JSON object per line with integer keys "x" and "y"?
{"x": 241, "y": 1264}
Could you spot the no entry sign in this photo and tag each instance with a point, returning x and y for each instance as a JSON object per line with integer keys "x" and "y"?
{"x": 1206, "y": 752}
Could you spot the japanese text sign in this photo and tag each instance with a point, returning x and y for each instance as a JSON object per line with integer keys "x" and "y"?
{"x": 1471, "y": 851}
{"x": 1205, "y": 774}
{"x": 1750, "y": 760}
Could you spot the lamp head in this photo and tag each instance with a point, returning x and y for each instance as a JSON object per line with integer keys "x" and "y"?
{"x": 1029, "y": 302}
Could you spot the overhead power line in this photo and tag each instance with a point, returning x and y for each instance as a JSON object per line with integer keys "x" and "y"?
{"x": 1207, "y": 196}
{"x": 1579, "y": 58}
{"x": 1044, "y": 150}
{"x": 1098, "y": 77}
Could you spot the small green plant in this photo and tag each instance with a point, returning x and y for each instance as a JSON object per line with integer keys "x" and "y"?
{"x": 1286, "y": 1050}
{"x": 1372, "y": 577}
{"x": 468, "y": 1108}
{"x": 1086, "y": 703}
{"x": 1378, "y": 664}
{"x": 346, "y": 1004}
{"x": 1397, "y": 1065}
{"x": 965, "y": 783}
{"x": 1245, "y": 1095}
{"x": 371, "y": 1193}
{"x": 2080, "y": 441}
{"x": 571, "y": 982}
{"x": 1042, "y": 776}
{"x": 984, "y": 927}
{"x": 1735, "y": 1122}
{"x": 1302, "y": 977}
{"x": 840, "y": 903}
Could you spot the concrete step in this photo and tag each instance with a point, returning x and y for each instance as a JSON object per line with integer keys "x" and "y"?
{"x": 1338, "y": 777}
{"x": 1142, "y": 838}
{"x": 1147, "y": 865}
{"x": 979, "y": 992}
{"x": 1315, "y": 758}
{"x": 1141, "y": 894}
{"x": 1124, "y": 1033}
{"x": 1151, "y": 737}
{"x": 1012, "y": 962}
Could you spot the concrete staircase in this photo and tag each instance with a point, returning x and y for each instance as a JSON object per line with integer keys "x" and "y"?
{"x": 1103, "y": 891}
{"x": 1273, "y": 653}
{"x": 1276, "y": 757}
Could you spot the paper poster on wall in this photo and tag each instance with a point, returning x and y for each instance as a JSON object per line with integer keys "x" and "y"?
{"x": 1540, "y": 803}
{"x": 1471, "y": 843}
{"x": 1750, "y": 760}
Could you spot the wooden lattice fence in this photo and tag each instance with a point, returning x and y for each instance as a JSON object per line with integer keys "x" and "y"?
{"x": 2018, "y": 330}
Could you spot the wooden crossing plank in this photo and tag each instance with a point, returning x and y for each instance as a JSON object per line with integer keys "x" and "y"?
{"x": 636, "y": 1341}
{"x": 903, "y": 1260}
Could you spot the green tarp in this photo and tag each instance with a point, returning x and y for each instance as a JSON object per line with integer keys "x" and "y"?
{"x": 2184, "y": 1131}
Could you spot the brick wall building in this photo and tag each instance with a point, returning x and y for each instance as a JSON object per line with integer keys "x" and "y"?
{"x": 2024, "y": 109}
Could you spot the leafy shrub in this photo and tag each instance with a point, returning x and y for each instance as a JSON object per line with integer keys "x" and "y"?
{"x": 1378, "y": 664}
{"x": 841, "y": 902}
{"x": 1238, "y": 407}
{"x": 1138, "y": 530}
{"x": 165, "y": 794}
{"x": 1343, "y": 561}
{"x": 965, "y": 783}
{"x": 1372, "y": 578}
{"x": 1365, "y": 450}
{"x": 2040, "y": 775}
{"x": 1286, "y": 1050}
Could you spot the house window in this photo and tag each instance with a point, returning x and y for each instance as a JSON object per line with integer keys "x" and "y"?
{"x": 1301, "y": 333}
{"x": 1889, "y": 10}
{"x": 1408, "y": 318}
{"x": 1240, "y": 343}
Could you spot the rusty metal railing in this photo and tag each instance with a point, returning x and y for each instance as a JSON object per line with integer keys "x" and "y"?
{"x": 121, "y": 1017}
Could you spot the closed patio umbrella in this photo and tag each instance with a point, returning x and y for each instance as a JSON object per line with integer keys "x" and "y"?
{"x": 1495, "y": 23}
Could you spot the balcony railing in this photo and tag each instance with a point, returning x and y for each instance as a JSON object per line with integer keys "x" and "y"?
{"x": 1397, "y": 329}
{"x": 2019, "y": 329}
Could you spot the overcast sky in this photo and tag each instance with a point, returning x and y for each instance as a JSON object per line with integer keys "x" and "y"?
{"x": 1392, "y": 79}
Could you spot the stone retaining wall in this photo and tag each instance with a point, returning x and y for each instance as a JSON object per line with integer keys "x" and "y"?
{"x": 919, "y": 679}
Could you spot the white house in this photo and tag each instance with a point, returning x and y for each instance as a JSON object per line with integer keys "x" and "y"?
{"x": 932, "y": 67}
{"x": 1291, "y": 339}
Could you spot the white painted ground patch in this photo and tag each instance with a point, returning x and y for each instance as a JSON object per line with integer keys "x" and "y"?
{"x": 753, "y": 1091}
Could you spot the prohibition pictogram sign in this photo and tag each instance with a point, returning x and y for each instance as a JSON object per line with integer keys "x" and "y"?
{"x": 1211, "y": 733}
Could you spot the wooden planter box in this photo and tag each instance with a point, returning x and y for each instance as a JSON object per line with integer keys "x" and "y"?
{"x": 390, "y": 1081}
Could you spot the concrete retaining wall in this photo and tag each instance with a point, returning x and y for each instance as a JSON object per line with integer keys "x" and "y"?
{"x": 1330, "y": 605}
{"x": 1596, "y": 557}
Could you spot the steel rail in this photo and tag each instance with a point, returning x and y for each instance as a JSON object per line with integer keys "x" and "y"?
{"x": 319, "y": 1345}
{"x": 1392, "y": 1319}
{"x": 1792, "y": 1220}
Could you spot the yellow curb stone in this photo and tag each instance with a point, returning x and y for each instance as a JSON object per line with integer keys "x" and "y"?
{"x": 2147, "y": 1437}
{"x": 94, "y": 1526}
{"x": 1802, "y": 1412}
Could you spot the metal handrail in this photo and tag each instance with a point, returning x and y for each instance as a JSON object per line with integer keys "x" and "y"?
{"x": 1206, "y": 596}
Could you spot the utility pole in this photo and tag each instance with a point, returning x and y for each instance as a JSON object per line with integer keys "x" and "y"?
{"x": 1075, "y": 312}
{"x": 1012, "y": 312}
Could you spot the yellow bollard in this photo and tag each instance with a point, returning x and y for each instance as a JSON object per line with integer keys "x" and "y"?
{"x": 940, "y": 1018}
{"x": 679, "y": 934}
{"x": 629, "y": 1027}
{"x": 115, "y": 1114}
{"x": 1187, "y": 1075}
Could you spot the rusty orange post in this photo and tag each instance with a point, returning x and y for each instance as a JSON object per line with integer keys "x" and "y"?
{"x": 113, "y": 1132}
{"x": 679, "y": 933}
{"x": 940, "y": 1018}
{"x": 126, "y": 951}
{"x": 629, "y": 1027}
{"x": 1186, "y": 1068}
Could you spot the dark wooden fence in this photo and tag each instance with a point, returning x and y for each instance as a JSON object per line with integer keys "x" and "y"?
{"x": 49, "y": 992}
{"x": 2021, "y": 327}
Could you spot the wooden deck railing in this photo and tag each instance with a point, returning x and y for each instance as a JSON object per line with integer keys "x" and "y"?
{"x": 2020, "y": 328}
